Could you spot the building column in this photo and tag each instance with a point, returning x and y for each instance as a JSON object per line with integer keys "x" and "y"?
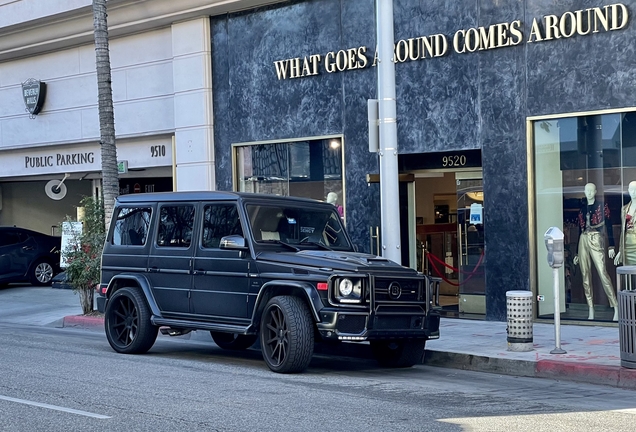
{"x": 192, "y": 77}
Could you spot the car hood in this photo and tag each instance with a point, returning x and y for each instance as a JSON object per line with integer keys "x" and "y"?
{"x": 334, "y": 260}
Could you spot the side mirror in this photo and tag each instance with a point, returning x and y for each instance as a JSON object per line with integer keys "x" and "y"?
{"x": 235, "y": 242}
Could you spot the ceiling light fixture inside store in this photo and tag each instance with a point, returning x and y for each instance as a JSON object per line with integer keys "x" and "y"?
{"x": 334, "y": 144}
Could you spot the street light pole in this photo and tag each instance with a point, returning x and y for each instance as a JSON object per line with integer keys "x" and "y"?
{"x": 387, "y": 118}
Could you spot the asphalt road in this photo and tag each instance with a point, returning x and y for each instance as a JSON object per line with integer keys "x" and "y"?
{"x": 64, "y": 379}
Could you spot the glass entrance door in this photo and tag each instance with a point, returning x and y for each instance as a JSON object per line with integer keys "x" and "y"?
{"x": 470, "y": 239}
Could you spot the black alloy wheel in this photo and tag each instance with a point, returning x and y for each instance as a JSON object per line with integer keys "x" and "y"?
{"x": 127, "y": 322}
{"x": 287, "y": 335}
{"x": 41, "y": 273}
{"x": 233, "y": 341}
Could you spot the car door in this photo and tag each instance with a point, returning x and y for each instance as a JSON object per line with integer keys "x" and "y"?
{"x": 220, "y": 281}
{"x": 170, "y": 259}
{"x": 17, "y": 250}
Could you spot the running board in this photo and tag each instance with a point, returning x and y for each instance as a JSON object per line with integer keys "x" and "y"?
{"x": 198, "y": 325}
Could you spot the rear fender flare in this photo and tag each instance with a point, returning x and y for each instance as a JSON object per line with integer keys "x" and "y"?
{"x": 131, "y": 279}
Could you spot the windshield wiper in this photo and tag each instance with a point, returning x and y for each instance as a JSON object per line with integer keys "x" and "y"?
{"x": 315, "y": 243}
{"x": 292, "y": 247}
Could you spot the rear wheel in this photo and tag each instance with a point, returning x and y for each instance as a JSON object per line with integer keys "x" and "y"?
{"x": 287, "y": 335}
{"x": 127, "y": 322}
{"x": 398, "y": 353}
{"x": 233, "y": 341}
{"x": 41, "y": 273}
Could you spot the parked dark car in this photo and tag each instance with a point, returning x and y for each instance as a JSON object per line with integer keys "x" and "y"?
{"x": 28, "y": 256}
{"x": 244, "y": 266}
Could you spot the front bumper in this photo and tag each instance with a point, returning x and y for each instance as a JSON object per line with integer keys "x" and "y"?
{"x": 355, "y": 325}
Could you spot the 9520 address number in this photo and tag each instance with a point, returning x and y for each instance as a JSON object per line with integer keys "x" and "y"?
{"x": 454, "y": 161}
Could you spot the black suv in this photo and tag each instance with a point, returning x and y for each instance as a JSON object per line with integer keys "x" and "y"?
{"x": 28, "y": 256}
{"x": 247, "y": 265}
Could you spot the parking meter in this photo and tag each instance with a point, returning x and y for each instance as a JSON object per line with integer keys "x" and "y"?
{"x": 554, "y": 243}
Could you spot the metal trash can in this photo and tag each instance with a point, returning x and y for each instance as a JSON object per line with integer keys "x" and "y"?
{"x": 519, "y": 309}
{"x": 626, "y": 285}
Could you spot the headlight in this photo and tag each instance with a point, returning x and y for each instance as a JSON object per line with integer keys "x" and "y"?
{"x": 348, "y": 290}
{"x": 345, "y": 287}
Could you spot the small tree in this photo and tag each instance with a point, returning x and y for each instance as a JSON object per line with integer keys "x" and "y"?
{"x": 83, "y": 254}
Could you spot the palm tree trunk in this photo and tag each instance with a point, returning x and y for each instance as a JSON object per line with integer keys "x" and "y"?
{"x": 110, "y": 176}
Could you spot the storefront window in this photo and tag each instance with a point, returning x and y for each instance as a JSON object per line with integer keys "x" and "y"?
{"x": 308, "y": 168}
{"x": 584, "y": 166}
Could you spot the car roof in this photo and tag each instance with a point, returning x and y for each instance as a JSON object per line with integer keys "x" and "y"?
{"x": 26, "y": 230}
{"x": 208, "y": 196}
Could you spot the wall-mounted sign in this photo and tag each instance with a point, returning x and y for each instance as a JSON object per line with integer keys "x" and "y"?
{"x": 440, "y": 160}
{"x": 122, "y": 167}
{"x": 581, "y": 22}
{"x": 34, "y": 93}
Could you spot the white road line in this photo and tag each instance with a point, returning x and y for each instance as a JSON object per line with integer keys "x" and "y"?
{"x": 53, "y": 407}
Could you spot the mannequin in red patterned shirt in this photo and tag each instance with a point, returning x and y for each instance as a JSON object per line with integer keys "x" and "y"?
{"x": 594, "y": 219}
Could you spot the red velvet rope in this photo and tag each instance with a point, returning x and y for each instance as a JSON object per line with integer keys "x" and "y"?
{"x": 438, "y": 273}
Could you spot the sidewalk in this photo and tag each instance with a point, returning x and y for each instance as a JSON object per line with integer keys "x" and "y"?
{"x": 593, "y": 352}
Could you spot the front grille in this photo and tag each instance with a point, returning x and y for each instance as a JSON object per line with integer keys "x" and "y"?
{"x": 398, "y": 322}
{"x": 410, "y": 290}
{"x": 354, "y": 324}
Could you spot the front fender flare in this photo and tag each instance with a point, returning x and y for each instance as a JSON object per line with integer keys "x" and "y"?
{"x": 309, "y": 291}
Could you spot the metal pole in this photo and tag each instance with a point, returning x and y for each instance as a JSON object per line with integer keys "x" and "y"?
{"x": 389, "y": 184}
{"x": 557, "y": 315}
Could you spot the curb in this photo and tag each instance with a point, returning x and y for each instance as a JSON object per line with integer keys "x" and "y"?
{"x": 89, "y": 322}
{"x": 614, "y": 376}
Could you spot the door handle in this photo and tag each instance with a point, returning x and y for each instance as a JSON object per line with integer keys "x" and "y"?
{"x": 198, "y": 272}
{"x": 153, "y": 270}
{"x": 27, "y": 248}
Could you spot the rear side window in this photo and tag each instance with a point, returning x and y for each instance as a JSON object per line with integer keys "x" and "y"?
{"x": 175, "y": 226}
{"x": 219, "y": 220}
{"x": 131, "y": 226}
{"x": 8, "y": 238}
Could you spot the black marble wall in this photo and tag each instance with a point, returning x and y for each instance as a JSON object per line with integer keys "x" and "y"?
{"x": 459, "y": 101}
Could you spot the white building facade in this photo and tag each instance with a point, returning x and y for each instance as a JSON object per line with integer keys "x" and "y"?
{"x": 162, "y": 92}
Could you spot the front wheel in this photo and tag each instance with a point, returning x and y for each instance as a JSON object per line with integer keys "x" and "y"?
{"x": 127, "y": 322}
{"x": 287, "y": 335}
{"x": 400, "y": 353}
{"x": 41, "y": 273}
{"x": 233, "y": 341}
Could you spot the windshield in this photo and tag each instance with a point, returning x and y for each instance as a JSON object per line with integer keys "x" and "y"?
{"x": 298, "y": 226}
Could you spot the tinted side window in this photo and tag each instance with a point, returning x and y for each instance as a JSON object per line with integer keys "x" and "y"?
{"x": 8, "y": 238}
{"x": 131, "y": 226}
{"x": 175, "y": 226}
{"x": 219, "y": 220}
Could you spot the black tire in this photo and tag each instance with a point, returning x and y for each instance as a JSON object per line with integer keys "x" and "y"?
{"x": 287, "y": 335}
{"x": 127, "y": 322}
{"x": 400, "y": 353}
{"x": 233, "y": 341}
{"x": 41, "y": 273}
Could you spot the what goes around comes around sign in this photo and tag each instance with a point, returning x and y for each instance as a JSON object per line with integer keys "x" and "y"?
{"x": 550, "y": 27}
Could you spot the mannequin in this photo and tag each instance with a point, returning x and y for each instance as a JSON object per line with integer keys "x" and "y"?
{"x": 332, "y": 198}
{"x": 593, "y": 220}
{"x": 627, "y": 252}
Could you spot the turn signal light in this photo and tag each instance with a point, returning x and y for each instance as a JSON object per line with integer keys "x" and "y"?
{"x": 322, "y": 286}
